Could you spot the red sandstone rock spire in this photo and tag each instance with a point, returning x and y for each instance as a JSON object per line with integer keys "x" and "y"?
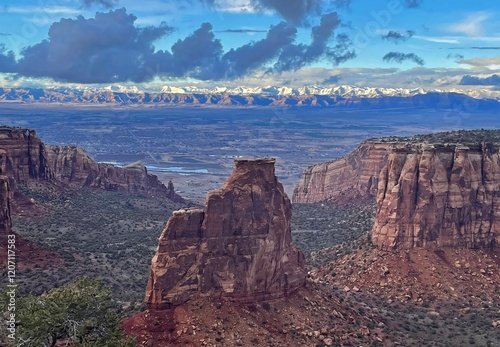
{"x": 238, "y": 246}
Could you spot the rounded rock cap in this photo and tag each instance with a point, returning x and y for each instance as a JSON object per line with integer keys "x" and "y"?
{"x": 258, "y": 161}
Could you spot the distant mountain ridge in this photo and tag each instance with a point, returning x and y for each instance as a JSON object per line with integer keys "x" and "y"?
{"x": 343, "y": 96}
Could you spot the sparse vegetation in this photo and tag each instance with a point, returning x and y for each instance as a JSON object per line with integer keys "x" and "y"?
{"x": 79, "y": 314}
{"x": 102, "y": 234}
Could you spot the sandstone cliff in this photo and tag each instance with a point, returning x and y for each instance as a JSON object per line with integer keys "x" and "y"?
{"x": 353, "y": 177}
{"x": 437, "y": 190}
{"x": 5, "y": 220}
{"x": 74, "y": 167}
{"x": 439, "y": 196}
{"x": 24, "y": 157}
{"x": 238, "y": 246}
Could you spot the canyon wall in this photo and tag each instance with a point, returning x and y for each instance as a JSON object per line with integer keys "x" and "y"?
{"x": 439, "y": 196}
{"x": 74, "y": 167}
{"x": 238, "y": 246}
{"x": 5, "y": 220}
{"x": 24, "y": 157}
{"x": 429, "y": 193}
{"x": 353, "y": 177}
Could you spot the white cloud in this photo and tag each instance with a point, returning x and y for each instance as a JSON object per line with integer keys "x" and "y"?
{"x": 40, "y": 9}
{"x": 437, "y": 39}
{"x": 473, "y": 25}
{"x": 238, "y": 6}
{"x": 481, "y": 62}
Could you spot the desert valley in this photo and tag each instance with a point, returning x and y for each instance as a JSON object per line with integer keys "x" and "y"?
{"x": 396, "y": 239}
{"x": 249, "y": 173}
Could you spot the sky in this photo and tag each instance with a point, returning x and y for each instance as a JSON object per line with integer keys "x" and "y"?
{"x": 152, "y": 43}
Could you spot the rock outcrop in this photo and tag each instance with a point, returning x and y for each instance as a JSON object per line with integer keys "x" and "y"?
{"x": 353, "y": 177}
{"x": 439, "y": 196}
{"x": 432, "y": 191}
{"x": 74, "y": 167}
{"x": 5, "y": 220}
{"x": 238, "y": 246}
{"x": 24, "y": 157}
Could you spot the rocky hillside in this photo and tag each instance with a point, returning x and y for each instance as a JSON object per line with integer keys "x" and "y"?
{"x": 249, "y": 98}
{"x": 238, "y": 246}
{"x": 24, "y": 157}
{"x": 432, "y": 191}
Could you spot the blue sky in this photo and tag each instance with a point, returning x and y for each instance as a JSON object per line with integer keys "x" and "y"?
{"x": 397, "y": 43}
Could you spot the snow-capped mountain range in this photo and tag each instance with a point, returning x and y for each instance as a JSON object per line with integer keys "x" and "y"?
{"x": 345, "y": 91}
{"x": 271, "y": 96}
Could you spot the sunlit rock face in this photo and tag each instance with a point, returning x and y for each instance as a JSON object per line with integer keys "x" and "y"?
{"x": 24, "y": 157}
{"x": 353, "y": 177}
{"x": 238, "y": 246}
{"x": 447, "y": 196}
{"x": 73, "y": 166}
{"x": 429, "y": 193}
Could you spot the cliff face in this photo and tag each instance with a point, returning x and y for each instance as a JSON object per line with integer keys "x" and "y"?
{"x": 239, "y": 245}
{"x": 23, "y": 157}
{"x": 75, "y": 168}
{"x": 5, "y": 220}
{"x": 439, "y": 197}
{"x": 352, "y": 177}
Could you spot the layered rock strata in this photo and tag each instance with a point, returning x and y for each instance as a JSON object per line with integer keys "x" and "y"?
{"x": 5, "y": 219}
{"x": 74, "y": 167}
{"x": 439, "y": 196}
{"x": 238, "y": 246}
{"x": 24, "y": 157}
{"x": 353, "y": 177}
{"x": 431, "y": 191}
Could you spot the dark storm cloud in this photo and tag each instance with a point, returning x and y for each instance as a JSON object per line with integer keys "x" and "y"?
{"x": 398, "y": 57}
{"x": 96, "y": 50}
{"x": 294, "y": 11}
{"x": 104, "y": 3}
{"x": 188, "y": 60}
{"x": 198, "y": 55}
{"x": 295, "y": 56}
{"x": 7, "y": 60}
{"x": 398, "y": 36}
{"x": 455, "y": 56}
{"x": 468, "y": 80}
{"x": 249, "y": 57}
{"x": 241, "y": 31}
{"x": 332, "y": 79}
{"x": 414, "y": 3}
{"x": 110, "y": 48}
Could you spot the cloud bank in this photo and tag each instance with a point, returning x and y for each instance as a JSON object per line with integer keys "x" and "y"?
{"x": 104, "y": 3}
{"x": 111, "y": 48}
{"x": 468, "y": 80}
